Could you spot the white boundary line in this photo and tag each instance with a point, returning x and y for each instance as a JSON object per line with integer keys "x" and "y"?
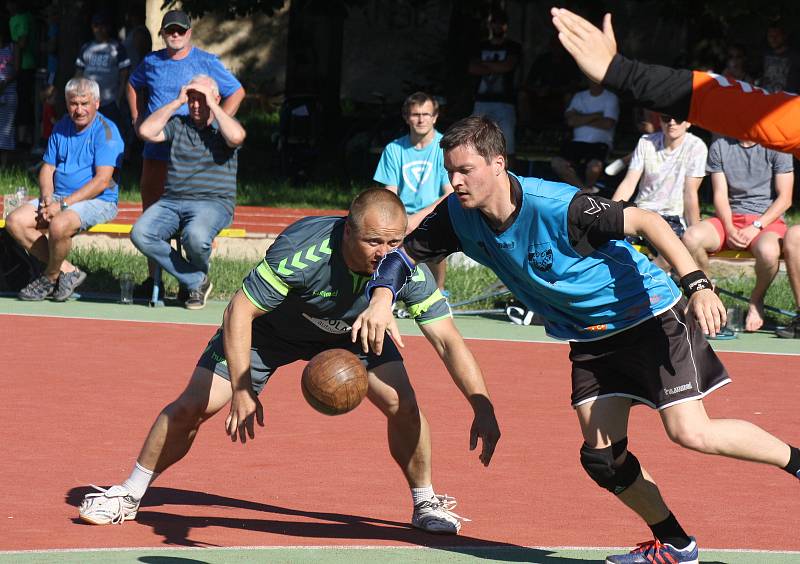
{"x": 482, "y": 548}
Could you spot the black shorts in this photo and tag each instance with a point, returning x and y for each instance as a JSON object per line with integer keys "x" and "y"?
{"x": 579, "y": 153}
{"x": 660, "y": 362}
{"x": 266, "y": 358}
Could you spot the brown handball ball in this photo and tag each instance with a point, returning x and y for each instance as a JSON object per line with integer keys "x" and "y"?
{"x": 334, "y": 382}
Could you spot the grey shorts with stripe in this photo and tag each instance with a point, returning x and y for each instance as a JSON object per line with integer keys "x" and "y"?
{"x": 266, "y": 358}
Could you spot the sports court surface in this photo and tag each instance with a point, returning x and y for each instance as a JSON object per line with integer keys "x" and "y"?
{"x": 83, "y": 381}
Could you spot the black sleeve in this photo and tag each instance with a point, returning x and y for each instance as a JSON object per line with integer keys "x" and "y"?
{"x": 592, "y": 221}
{"x": 435, "y": 237}
{"x": 658, "y": 88}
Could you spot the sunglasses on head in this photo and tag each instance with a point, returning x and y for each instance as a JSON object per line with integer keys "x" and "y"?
{"x": 667, "y": 119}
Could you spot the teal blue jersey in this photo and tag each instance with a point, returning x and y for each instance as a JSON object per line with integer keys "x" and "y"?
{"x": 419, "y": 174}
{"x": 557, "y": 257}
{"x": 310, "y": 294}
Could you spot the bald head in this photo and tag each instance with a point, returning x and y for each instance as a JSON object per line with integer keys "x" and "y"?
{"x": 379, "y": 201}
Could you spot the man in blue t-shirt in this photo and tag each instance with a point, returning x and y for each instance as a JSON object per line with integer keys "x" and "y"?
{"x": 633, "y": 338}
{"x": 77, "y": 188}
{"x": 157, "y": 81}
{"x": 412, "y": 166}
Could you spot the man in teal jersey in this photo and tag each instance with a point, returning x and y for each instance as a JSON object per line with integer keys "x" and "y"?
{"x": 412, "y": 166}
{"x": 300, "y": 300}
{"x": 563, "y": 255}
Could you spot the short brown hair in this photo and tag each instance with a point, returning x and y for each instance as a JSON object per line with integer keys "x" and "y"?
{"x": 478, "y": 132}
{"x": 388, "y": 202}
{"x": 417, "y": 99}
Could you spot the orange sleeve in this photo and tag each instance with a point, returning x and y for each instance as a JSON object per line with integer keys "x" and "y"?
{"x": 739, "y": 110}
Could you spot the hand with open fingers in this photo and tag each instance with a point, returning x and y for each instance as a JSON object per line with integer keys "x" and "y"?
{"x": 591, "y": 48}
{"x": 485, "y": 427}
{"x": 709, "y": 311}
{"x": 371, "y": 325}
{"x": 245, "y": 411}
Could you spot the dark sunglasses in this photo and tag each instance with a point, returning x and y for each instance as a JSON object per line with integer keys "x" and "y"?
{"x": 175, "y": 29}
{"x": 667, "y": 119}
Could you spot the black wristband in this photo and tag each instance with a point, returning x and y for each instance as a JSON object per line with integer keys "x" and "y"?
{"x": 694, "y": 282}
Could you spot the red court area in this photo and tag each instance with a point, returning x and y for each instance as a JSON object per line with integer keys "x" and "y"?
{"x": 80, "y": 395}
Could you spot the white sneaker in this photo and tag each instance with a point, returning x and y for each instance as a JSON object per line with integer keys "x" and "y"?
{"x": 113, "y": 506}
{"x": 436, "y": 516}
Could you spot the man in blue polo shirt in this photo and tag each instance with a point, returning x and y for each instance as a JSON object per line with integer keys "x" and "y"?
{"x": 412, "y": 166}
{"x": 77, "y": 190}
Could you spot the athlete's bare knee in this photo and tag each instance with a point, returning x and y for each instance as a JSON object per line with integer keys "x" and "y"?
{"x": 697, "y": 438}
{"x": 185, "y": 412}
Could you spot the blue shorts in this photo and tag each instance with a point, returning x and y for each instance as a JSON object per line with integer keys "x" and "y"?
{"x": 91, "y": 212}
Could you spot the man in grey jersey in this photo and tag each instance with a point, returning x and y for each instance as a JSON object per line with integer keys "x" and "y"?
{"x": 200, "y": 192}
{"x": 300, "y": 300}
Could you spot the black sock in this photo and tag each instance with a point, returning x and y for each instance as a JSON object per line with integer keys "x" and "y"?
{"x": 669, "y": 531}
{"x": 793, "y": 467}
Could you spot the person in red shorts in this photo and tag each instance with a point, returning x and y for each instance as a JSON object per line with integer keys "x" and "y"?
{"x": 752, "y": 189}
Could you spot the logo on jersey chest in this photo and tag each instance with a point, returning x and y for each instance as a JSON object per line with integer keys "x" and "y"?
{"x": 334, "y": 326}
{"x": 540, "y": 255}
{"x": 416, "y": 173}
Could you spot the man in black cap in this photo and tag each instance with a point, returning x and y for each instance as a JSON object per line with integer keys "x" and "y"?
{"x": 157, "y": 81}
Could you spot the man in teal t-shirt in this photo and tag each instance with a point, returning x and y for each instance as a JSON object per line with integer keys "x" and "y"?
{"x": 412, "y": 166}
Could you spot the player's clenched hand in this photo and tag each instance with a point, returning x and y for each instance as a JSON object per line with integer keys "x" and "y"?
{"x": 591, "y": 48}
{"x": 706, "y": 307}
{"x": 245, "y": 410}
{"x": 484, "y": 425}
{"x": 373, "y": 323}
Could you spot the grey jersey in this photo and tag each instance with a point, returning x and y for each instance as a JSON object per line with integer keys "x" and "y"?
{"x": 312, "y": 296}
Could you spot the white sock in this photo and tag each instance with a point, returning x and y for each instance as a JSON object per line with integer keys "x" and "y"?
{"x": 422, "y": 494}
{"x": 139, "y": 480}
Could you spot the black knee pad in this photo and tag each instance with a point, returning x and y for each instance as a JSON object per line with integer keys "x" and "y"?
{"x": 599, "y": 464}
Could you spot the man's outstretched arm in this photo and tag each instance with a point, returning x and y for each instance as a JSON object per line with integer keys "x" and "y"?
{"x": 735, "y": 109}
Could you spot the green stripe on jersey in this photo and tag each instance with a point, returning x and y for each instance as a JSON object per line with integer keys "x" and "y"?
{"x": 268, "y": 276}
{"x": 253, "y": 300}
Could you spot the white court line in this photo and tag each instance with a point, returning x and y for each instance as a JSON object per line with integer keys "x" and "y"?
{"x": 456, "y": 548}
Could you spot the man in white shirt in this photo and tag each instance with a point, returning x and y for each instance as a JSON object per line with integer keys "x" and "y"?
{"x": 592, "y": 114}
{"x": 671, "y": 165}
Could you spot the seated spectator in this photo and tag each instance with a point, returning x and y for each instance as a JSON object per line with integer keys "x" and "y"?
{"x": 200, "y": 190}
{"x": 752, "y": 189}
{"x": 105, "y": 61}
{"x": 671, "y": 164}
{"x": 412, "y": 166}
{"x": 791, "y": 255}
{"x": 592, "y": 114}
{"x": 77, "y": 190}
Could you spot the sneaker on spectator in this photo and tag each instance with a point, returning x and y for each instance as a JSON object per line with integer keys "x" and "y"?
{"x": 37, "y": 290}
{"x": 791, "y": 331}
{"x": 436, "y": 516}
{"x": 67, "y": 282}
{"x": 198, "y": 296}
{"x": 113, "y": 506}
{"x": 653, "y": 551}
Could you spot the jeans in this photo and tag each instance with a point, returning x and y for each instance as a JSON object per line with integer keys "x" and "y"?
{"x": 199, "y": 222}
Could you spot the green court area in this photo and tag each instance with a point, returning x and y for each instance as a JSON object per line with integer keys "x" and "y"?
{"x": 339, "y": 555}
{"x": 472, "y": 327}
